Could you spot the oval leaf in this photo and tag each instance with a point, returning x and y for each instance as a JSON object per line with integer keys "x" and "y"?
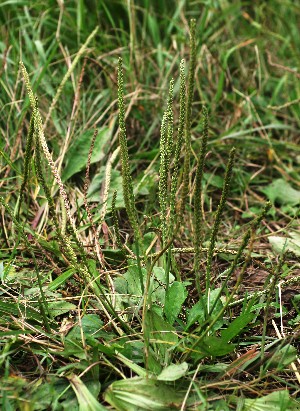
{"x": 173, "y": 372}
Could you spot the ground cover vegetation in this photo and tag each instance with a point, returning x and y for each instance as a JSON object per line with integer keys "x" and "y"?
{"x": 149, "y": 196}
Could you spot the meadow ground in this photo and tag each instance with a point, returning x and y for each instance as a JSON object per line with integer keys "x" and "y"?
{"x": 149, "y": 197}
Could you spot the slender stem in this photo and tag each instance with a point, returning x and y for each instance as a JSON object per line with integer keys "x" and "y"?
{"x": 218, "y": 216}
{"x": 198, "y": 219}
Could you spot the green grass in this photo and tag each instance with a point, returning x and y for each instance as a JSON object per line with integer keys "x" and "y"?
{"x": 149, "y": 244}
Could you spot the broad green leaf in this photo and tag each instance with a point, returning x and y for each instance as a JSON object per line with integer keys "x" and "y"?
{"x": 160, "y": 274}
{"x": 130, "y": 282}
{"x": 158, "y": 287}
{"x": 173, "y": 372}
{"x": 154, "y": 360}
{"x": 175, "y": 297}
{"x": 18, "y": 310}
{"x": 282, "y": 192}
{"x": 64, "y": 395}
{"x": 113, "y": 257}
{"x": 86, "y": 400}
{"x": 197, "y": 313}
{"x": 121, "y": 285}
{"x": 276, "y": 401}
{"x": 9, "y": 274}
{"x": 236, "y": 326}
{"x": 133, "y": 280}
{"x": 214, "y": 367}
{"x": 280, "y": 244}
{"x": 60, "y": 307}
{"x": 213, "y": 180}
{"x": 91, "y": 326}
{"x": 77, "y": 155}
{"x": 161, "y": 333}
{"x": 140, "y": 371}
{"x": 139, "y": 394}
{"x": 213, "y": 347}
{"x": 73, "y": 348}
{"x": 61, "y": 279}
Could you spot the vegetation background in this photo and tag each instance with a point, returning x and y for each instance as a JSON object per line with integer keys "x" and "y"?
{"x": 93, "y": 316}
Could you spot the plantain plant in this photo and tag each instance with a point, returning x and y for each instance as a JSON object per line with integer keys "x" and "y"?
{"x": 145, "y": 300}
{"x": 173, "y": 178}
